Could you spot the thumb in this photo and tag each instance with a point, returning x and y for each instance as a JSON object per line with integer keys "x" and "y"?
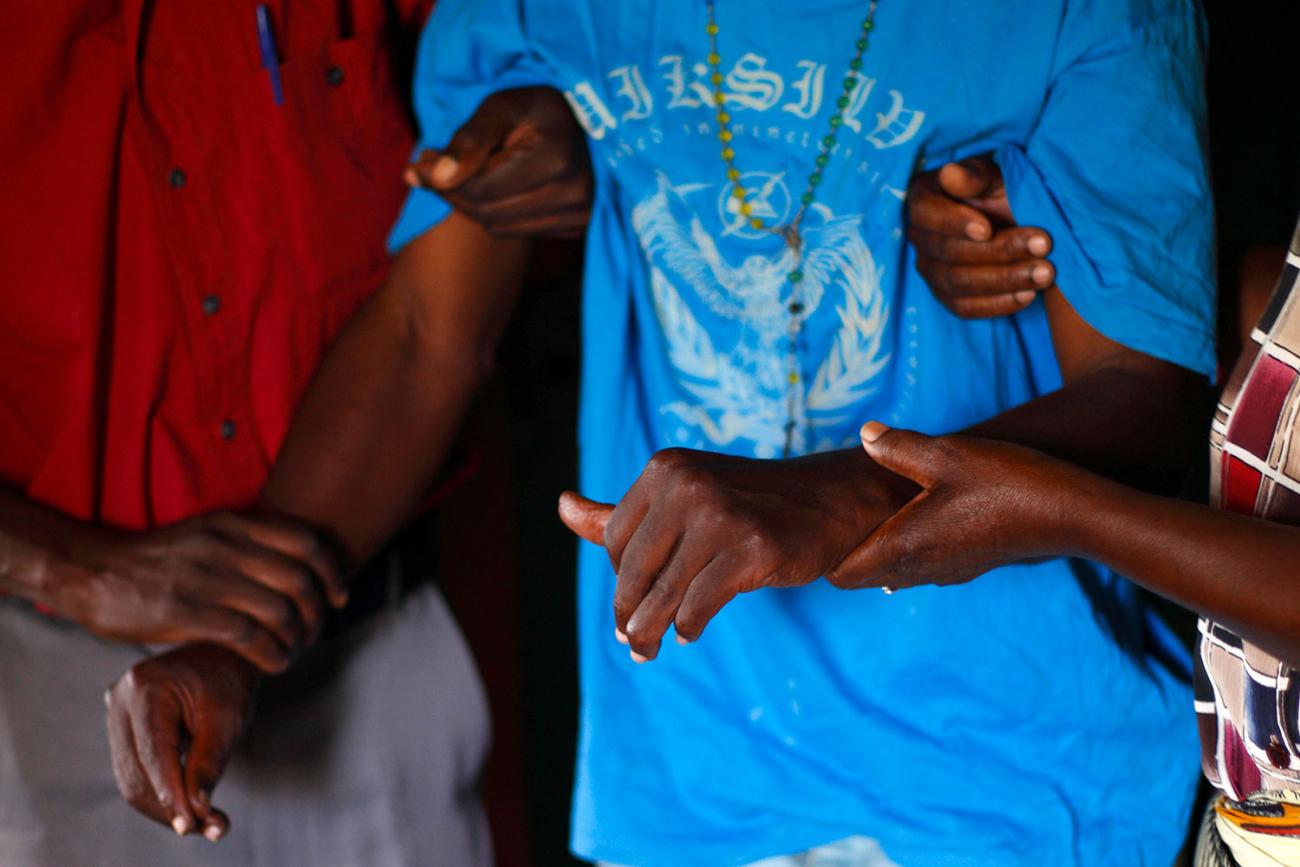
{"x": 470, "y": 147}
{"x": 973, "y": 178}
{"x": 585, "y": 517}
{"x": 203, "y": 769}
{"x": 904, "y": 452}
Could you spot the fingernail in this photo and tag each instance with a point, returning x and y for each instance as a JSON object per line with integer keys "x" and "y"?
{"x": 683, "y": 641}
{"x": 1024, "y": 296}
{"x": 1038, "y": 245}
{"x": 181, "y": 826}
{"x": 639, "y": 659}
{"x": 871, "y": 431}
{"x": 977, "y": 231}
{"x": 444, "y": 170}
{"x": 212, "y": 832}
{"x": 1042, "y": 274}
{"x": 411, "y": 177}
{"x": 620, "y": 636}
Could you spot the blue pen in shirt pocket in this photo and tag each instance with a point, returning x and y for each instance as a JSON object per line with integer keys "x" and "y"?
{"x": 270, "y": 57}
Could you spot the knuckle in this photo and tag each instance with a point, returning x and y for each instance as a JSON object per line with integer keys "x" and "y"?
{"x": 962, "y": 280}
{"x": 284, "y": 615}
{"x": 244, "y": 632}
{"x": 688, "y": 623}
{"x": 643, "y": 638}
{"x": 468, "y": 137}
{"x": 667, "y": 460}
{"x": 301, "y": 585}
{"x": 840, "y": 579}
{"x": 622, "y": 610}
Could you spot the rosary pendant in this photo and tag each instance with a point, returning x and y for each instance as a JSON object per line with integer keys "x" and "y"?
{"x": 793, "y": 240}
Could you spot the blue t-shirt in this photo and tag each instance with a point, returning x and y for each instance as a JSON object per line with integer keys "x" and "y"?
{"x": 994, "y": 723}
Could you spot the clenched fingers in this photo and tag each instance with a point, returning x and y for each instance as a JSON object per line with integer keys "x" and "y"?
{"x": 1010, "y": 245}
{"x": 292, "y": 539}
{"x": 298, "y": 608}
{"x": 962, "y": 281}
{"x": 655, "y": 607}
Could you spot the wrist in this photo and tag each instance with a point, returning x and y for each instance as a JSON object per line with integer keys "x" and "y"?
{"x": 32, "y": 566}
{"x": 51, "y": 561}
{"x": 1080, "y": 516}
{"x": 857, "y": 484}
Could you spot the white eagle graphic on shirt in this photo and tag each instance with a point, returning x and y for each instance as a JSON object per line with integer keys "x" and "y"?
{"x": 741, "y": 393}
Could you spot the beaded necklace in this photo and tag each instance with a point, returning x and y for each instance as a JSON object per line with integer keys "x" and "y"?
{"x": 790, "y": 232}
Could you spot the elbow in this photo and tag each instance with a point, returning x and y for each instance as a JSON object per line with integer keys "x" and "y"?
{"x": 451, "y": 355}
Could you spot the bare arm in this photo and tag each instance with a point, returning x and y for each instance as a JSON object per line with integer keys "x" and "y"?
{"x": 257, "y": 584}
{"x": 385, "y": 405}
{"x": 998, "y": 504}
{"x": 698, "y": 528}
{"x": 362, "y": 452}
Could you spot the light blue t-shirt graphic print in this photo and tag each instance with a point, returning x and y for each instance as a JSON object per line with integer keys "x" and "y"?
{"x": 996, "y": 723}
{"x": 727, "y": 331}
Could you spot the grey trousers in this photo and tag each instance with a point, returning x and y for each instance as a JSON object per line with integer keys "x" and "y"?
{"x": 367, "y": 753}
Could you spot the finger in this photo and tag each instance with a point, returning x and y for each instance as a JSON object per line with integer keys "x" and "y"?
{"x": 274, "y": 612}
{"x": 289, "y": 581}
{"x": 975, "y": 177}
{"x": 513, "y": 208}
{"x": 563, "y": 225}
{"x": 935, "y": 211}
{"x": 645, "y": 555}
{"x": 992, "y": 306}
{"x": 962, "y": 281}
{"x": 243, "y": 635}
{"x": 420, "y": 172}
{"x": 470, "y": 148}
{"x": 156, "y": 723}
{"x": 1014, "y": 244}
{"x": 297, "y": 541}
{"x": 130, "y": 777}
{"x": 907, "y": 453}
{"x": 658, "y": 608}
{"x": 216, "y": 825}
{"x": 585, "y": 517}
{"x": 204, "y": 766}
{"x": 882, "y": 557}
{"x": 708, "y": 594}
{"x": 531, "y": 167}
{"x": 623, "y": 523}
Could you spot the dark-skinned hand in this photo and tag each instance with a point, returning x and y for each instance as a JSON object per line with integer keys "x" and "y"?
{"x": 518, "y": 167}
{"x": 977, "y": 261}
{"x": 258, "y": 585}
{"x": 983, "y": 504}
{"x": 172, "y": 723}
{"x": 698, "y": 528}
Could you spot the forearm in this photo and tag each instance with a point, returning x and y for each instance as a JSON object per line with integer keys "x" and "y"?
{"x": 1139, "y": 426}
{"x": 1143, "y": 427}
{"x": 371, "y": 432}
{"x": 31, "y": 537}
{"x": 384, "y": 407}
{"x": 1236, "y": 570}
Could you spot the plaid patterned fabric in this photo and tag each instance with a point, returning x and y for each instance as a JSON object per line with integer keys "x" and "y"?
{"x": 1247, "y": 701}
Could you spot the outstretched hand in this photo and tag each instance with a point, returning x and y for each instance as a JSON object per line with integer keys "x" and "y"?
{"x": 173, "y": 721}
{"x": 518, "y": 167}
{"x": 698, "y": 528}
{"x": 983, "y": 504}
{"x": 977, "y": 261}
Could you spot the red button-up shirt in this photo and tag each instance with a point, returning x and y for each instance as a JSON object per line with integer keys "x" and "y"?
{"x": 178, "y": 249}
